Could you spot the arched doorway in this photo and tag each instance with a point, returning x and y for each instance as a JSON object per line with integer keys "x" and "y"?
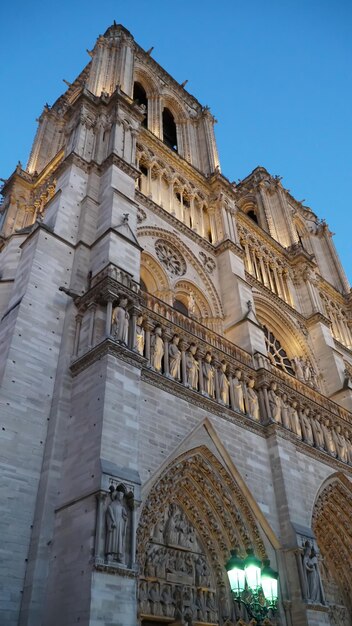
{"x": 194, "y": 515}
{"x": 332, "y": 526}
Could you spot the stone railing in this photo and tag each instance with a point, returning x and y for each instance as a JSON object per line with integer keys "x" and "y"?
{"x": 188, "y": 355}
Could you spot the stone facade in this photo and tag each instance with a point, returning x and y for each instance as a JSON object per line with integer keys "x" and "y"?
{"x": 175, "y": 372}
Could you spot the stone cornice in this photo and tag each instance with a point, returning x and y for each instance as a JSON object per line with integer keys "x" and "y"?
{"x": 148, "y": 203}
{"x": 317, "y": 317}
{"x": 228, "y": 244}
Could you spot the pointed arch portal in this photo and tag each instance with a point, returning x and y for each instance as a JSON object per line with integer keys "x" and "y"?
{"x": 332, "y": 515}
{"x": 194, "y": 515}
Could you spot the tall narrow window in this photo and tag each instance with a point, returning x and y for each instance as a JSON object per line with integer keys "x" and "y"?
{"x": 140, "y": 96}
{"x": 252, "y": 214}
{"x": 169, "y": 130}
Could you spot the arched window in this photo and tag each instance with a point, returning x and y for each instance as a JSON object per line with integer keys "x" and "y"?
{"x": 179, "y": 306}
{"x": 252, "y": 214}
{"x": 276, "y": 353}
{"x": 140, "y": 96}
{"x": 169, "y": 130}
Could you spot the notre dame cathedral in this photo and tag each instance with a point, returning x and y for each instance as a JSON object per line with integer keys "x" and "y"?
{"x": 175, "y": 372}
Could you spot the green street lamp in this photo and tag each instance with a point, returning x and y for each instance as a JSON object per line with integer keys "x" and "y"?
{"x": 253, "y": 584}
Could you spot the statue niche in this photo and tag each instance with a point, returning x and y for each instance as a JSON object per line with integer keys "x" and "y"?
{"x": 115, "y": 528}
{"x": 176, "y": 582}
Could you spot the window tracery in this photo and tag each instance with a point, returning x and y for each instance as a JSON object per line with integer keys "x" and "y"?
{"x": 276, "y": 353}
{"x": 169, "y": 256}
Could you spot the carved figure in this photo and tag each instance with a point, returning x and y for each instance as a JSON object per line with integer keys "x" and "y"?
{"x": 143, "y": 598}
{"x": 318, "y": 433}
{"x": 192, "y": 367}
{"x": 253, "y": 402}
{"x": 201, "y": 605}
{"x": 223, "y": 384}
{"x": 157, "y": 349}
{"x": 306, "y": 426}
{"x": 313, "y": 589}
{"x": 116, "y": 523}
{"x": 349, "y": 446}
{"x": 274, "y": 403}
{"x": 140, "y": 335}
{"x": 167, "y": 601}
{"x": 171, "y": 530}
{"x": 285, "y": 411}
{"x": 174, "y": 358}
{"x": 191, "y": 304}
{"x": 211, "y": 607}
{"x": 154, "y": 597}
{"x": 295, "y": 423}
{"x": 340, "y": 444}
{"x": 298, "y": 363}
{"x": 238, "y": 391}
{"x": 328, "y": 438}
{"x": 120, "y": 322}
{"x": 208, "y": 376}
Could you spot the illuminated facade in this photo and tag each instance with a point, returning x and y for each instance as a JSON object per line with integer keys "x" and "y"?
{"x": 175, "y": 372}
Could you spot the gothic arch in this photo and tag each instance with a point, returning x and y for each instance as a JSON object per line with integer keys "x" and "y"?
{"x": 331, "y": 522}
{"x": 153, "y": 275}
{"x": 291, "y": 338}
{"x": 146, "y": 78}
{"x": 302, "y": 233}
{"x": 183, "y": 290}
{"x": 213, "y": 297}
{"x": 177, "y": 109}
{"x": 213, "y": 502}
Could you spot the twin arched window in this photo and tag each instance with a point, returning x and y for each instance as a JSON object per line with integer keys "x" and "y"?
{"x": 168, "y": 120}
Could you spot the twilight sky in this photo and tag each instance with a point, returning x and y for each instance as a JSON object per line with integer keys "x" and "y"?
{"x": 275, "y": 73}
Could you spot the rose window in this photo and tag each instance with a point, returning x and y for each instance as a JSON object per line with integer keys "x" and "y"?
{"x": 170, "y": 257}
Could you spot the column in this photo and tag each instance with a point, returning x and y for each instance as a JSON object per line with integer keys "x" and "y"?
{"x": 79, "y": 318}
{"x": 148, "y": 327}
{"x": 92, "y": 307}
{"x": 108, "y": 320}
{"x": 166, "y": 337}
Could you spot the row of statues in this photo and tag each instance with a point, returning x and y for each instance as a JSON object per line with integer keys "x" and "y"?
{"x": 314, "y": 429}
{"x": 215, "y": 382}
{"x": 177, "y": 601}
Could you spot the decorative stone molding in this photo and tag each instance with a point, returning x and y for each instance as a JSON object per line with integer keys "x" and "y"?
{"x": 169, "y": 256}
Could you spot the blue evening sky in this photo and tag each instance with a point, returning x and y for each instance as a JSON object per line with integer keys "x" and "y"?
{"x": 276, "y": 75}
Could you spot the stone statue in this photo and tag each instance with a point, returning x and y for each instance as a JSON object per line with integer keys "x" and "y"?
{"x": 116, "y": 524}
{"x": 211, "y": 607}
{"x": 201, "y": 605}
{"x": 120, "y": 322}
{"x": 274, "y": 403}
{"x": 340, "y": 444}
{"x": 209, "y": 376}
{"x": 318, "y": 433}
{"x": 298, "y": 368}
{"x": 238, "y": 391}
{"x": 223, "y": 384}
{"x": 175, "y": 358}
{"x": 253, "y": 402}
{"x": 192, "y": 367}
{"x": 157, "y": 349}
{"x": 328, "y": 437}
{"x": 285, "y": 412}
{"x": 140, "y": 335}
{"x": 349, "y": 446}
{"x": 295, "y": 423}
{"x": 313, "y": 588}
{"x": 191, "y": 304}
{"x": 306, "y": 426}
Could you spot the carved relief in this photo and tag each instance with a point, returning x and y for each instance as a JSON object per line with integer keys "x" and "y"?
{"x": 208, "y": 262}
{"x": 176, "y": 580}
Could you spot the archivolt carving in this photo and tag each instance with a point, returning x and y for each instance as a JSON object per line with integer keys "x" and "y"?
{"x": 153, "y": 275}
{"x": 332, "y": 525}
{"x": 192, "y": 259}
{"x": 212, "y": 501}
{"x": 146, "y": 77}
{"x": 175, "y": 106}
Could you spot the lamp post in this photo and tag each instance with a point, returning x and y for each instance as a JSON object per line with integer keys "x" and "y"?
{"x": 254, "y": 584}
